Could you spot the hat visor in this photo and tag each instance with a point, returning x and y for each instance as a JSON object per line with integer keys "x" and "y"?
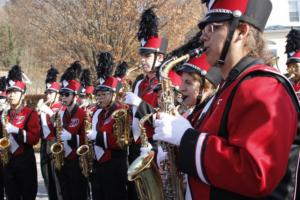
{"x": 66, "y": 90}
{"x": 104, "y": 89}
{"x": 187, "y": 69}
{"x": 51, "y": 90}
{"x": 143, "y": 50}
{"x": 14, "y": 88}
{"x": 214, "y": 17}
{"x": 293, "y": 60}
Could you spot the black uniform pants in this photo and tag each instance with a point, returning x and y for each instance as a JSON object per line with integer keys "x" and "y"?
{"x": 73, "y": 184}
{"x": 1, "y": 182}
{"x": 20, "y": 177}
{"x": 48, "y": 173}
{"x": 109, "y": 180}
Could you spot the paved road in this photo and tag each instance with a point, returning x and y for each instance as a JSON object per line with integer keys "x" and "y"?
{"x": 42, "y": 193}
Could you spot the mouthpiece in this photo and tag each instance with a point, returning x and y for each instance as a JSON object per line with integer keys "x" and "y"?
{"x": 197, "y": 52}
{"x": 291, "y": 76}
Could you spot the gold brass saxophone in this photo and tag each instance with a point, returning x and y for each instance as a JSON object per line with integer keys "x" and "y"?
{"x": 86, "y": 151}
{"x": 57, "y": 149}
{"x": 144, "y": 172}
{"x": 4, "y": 141}
{"x": 172, "y": 178}
{"x": 121, "y": 127}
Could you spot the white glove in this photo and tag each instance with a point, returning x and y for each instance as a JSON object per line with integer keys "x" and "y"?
{"x": 146, "y": 150}
{"x": 132, "y": 99}
{"x": 92, "y": 134}
{"x": 11, "y": 128}
{"x": 65, "y": 135}
{"x": 46, "y": 109}
{"x": 161, "y": 155}
{"x": 170, "y": 129}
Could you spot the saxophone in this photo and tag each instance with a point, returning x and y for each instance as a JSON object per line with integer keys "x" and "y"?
{"x": 121, "y": 127}
{"x": 144, "y": 172}
{"x": 86, "y": 151}
{"x": 4, "y": 141}
{"x": 57, "y": 149}
{"x": 172, "y": 178}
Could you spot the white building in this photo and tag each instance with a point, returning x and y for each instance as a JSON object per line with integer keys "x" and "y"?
{"x": 285, "y": 14}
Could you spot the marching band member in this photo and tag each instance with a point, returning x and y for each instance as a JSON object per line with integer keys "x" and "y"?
{"x": 235, "y": 159}
{"x": 48, "y": 111}
{"x": 3, "y": 105}
{"x": 198, "y": 85}
{"x": 110, "y": 176}
{"x": 152, "y": 52}
{"x": 293, "y": 61}
{"x": 23, "y": 127}
{"x": 73, "y": 183}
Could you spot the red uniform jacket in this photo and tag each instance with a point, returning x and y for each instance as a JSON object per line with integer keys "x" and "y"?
{"x": 105, "y": 135}
{"x": 74, "y": 123}
{"x": 262, "y": 124}
{"x": 27, "y": 121}
{"x": 48, "y": 129}
{"x": 144, "y": 89}
{"x": 297, "y": 89}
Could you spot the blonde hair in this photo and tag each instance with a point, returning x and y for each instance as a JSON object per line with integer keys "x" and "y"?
{"x": 257, "y": 45}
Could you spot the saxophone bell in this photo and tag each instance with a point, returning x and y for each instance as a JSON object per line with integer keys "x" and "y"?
{"x": 57, "y": 149}
{"x": 86, "y": 151}
{"x": 121, "y": 127}
{"x": 144, "y": 172}
{"x": 57, "y": 152}
{"x": 4, "y": 141}
{"x": 83, "y": 153}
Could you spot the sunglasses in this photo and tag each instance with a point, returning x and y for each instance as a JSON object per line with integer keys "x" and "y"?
{"x": 65, "y": 94}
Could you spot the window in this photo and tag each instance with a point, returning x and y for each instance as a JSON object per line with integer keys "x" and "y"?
{"x": 294, "y": 10}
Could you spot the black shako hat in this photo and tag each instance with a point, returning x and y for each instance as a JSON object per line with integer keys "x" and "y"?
{"x": 255, "y": 12}
{"x": 148, "y": 34}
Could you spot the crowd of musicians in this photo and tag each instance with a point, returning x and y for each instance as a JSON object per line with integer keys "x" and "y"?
{"x": 210, "y": 120}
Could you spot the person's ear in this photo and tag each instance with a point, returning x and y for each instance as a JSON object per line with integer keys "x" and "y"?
{"x": 160, "y": 57}
{"x": 243, "y": 31}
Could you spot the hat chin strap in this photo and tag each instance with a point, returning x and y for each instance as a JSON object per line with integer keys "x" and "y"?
{"x": 233, "y": 25}
{"x": 154, "y": 61}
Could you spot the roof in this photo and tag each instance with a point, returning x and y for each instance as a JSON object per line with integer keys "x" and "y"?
{"x": 279, "y": 28}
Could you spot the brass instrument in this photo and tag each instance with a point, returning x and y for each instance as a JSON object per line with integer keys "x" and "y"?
{"x": 4, "y": 141}
{"x": 57, "y": 149}
{"x": 172, "y": 178}
{"x": 121, "y": 127}
{"x": 86, "y": 151}
{"x": 144, "y": 172}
